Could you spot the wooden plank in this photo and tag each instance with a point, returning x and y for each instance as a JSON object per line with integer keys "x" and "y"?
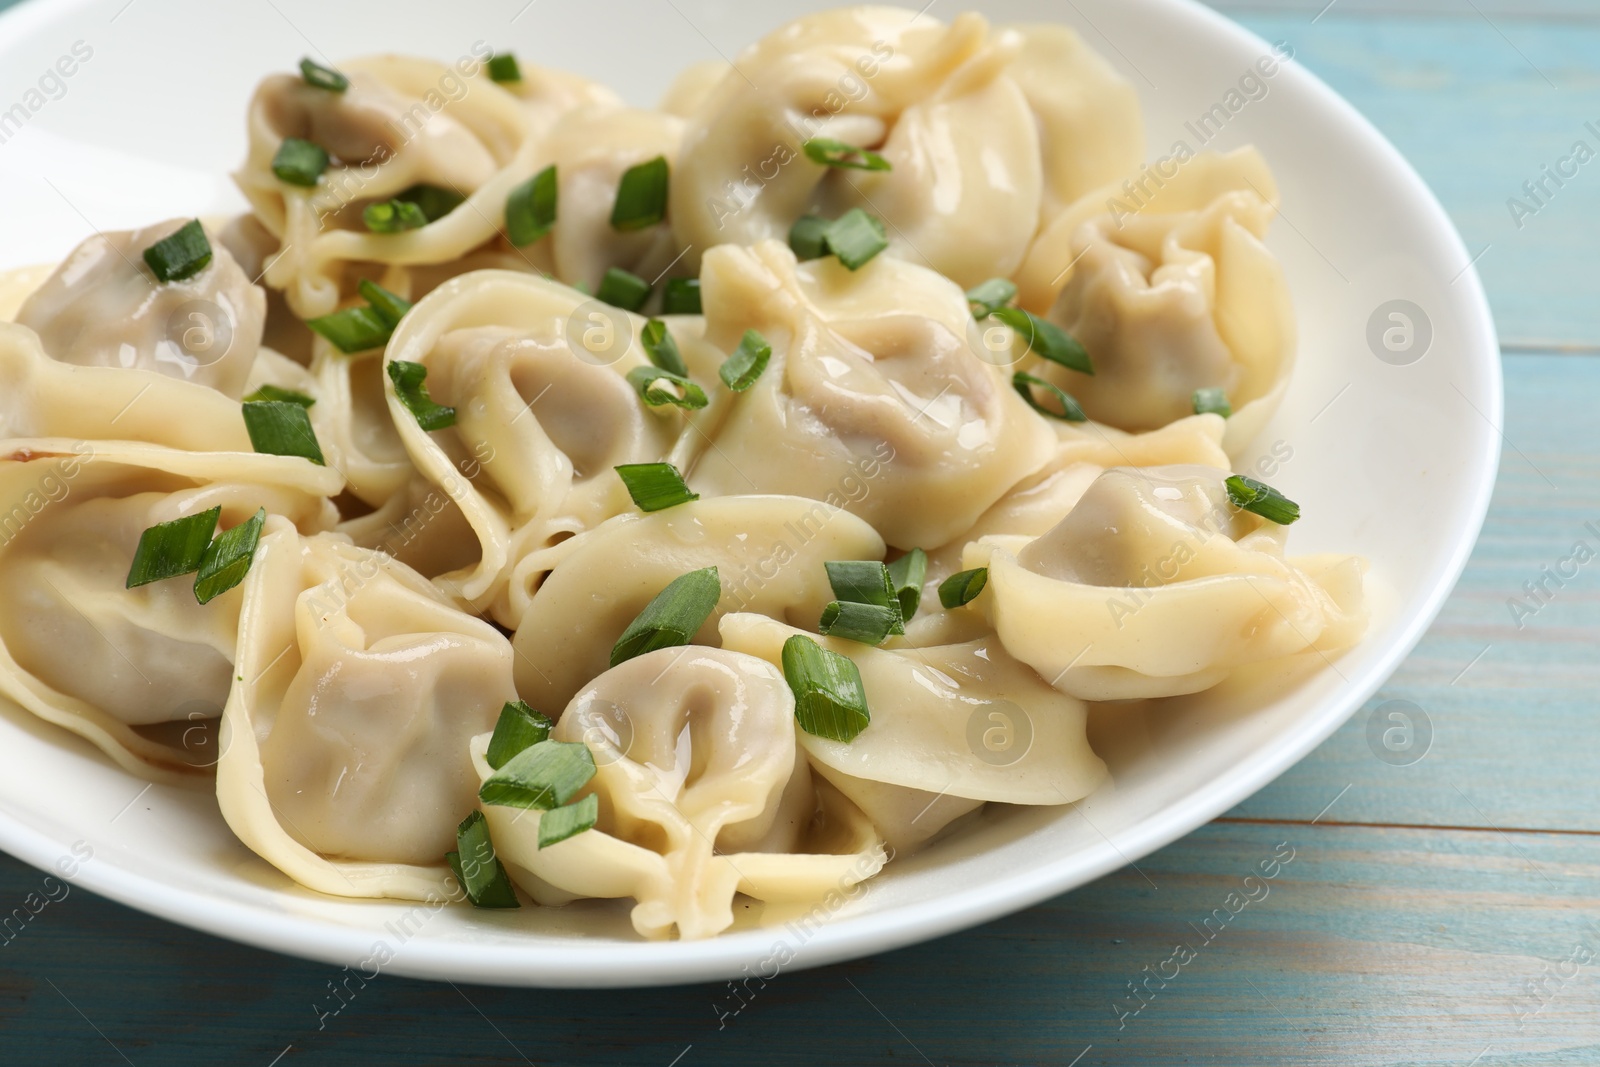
{"x": 1368, "y": 946}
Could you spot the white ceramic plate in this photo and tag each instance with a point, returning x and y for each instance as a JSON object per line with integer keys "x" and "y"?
{"x": 1393, "y": 459}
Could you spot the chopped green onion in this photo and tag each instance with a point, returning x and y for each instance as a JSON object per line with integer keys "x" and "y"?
{"x": 273, "y": 392}
{"x": 831, "y": 153}
{"x": 435, "y": 202}
{"x": 829, "y": 699}
{"x": 519, "y": 727}
{"x": 171, "y": 549}
{"x": 855, "y": 237}
{"x": 359, "y": 329}
{"x": 1212, "y": 402}
{"x": 408, "y": 381}
{"x": 641, "y": 196}
{"x": 662, "y": 349}
{"x": 558, "y": 824}
{"x": 393, "y": 216}
{"x": 681, "y": 297}
{"x": 809, "y": 237}
{"x": 391, "y": 307}
{"x": 621, "y": 289}
{"x": 299, "y": 162}
{"x": 1024, "y": 382}
{"x": 481, "y": 874}
{"x": 183, "y": 254}
{"x": 503, "y": 68}
{"x": 963, "y": 588}
{"x": 866, "y": 623}
{"x": 655, "y": 486}
{"x": 647, "y": 380}
{"x": 228, "y": 559}
{"x": 908, "y": 573}
{"x": 1046, "y": 338}
{"x": 863, "y": 582}
{"x": 531, "y": 208}
{"x": 673, "y": 617}
{"x": 319, "y": 77}
{"x": 1261, "y": 499}
{"x": 282, "y": 428}
{"x": 541, "y": 776}
{"x": 740, "y": 370}
{"x": 991, "y": 296}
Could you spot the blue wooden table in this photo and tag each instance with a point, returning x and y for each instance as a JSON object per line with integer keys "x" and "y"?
{"x": 1445, "y": 912}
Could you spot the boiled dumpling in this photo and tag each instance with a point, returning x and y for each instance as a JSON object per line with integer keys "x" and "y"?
{"x": 1155, "y": 584}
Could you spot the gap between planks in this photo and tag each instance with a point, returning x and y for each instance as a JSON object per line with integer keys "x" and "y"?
{"x": 1245, "y": 821}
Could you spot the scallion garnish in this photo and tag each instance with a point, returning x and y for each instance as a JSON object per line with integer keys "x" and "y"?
{"x": 641, "y": 196}
{"x": 855, "y": 237}
{"x": 864, "y": 582}
{"x": 359, "y": 329}
{"x": 541, "y": 776}
{"x": 287, "y": 396}
{"x": 282, "y": 428}
{"x": 391, "y": 307}
{"x": 171, "y": 549}
{"x": 673, "y": 617}
{"x": 662, "y": 349}
{"x": 831, "y": 153}
{"x": 654, "y": 486}
{"x": 1024, "y": 382}
{"x": 1046, "y": 338}
{"x": 182, "y": 254}
{"x": 319, "y": 77}
{"x": 299, "y": 162}
{"x": 681, "y": 297}
{"x": 503, "y": 68}
{"x": 481, "y": 874}
{"x": 963, "y": 588}
{"x": 808, "y": 237}
{"x": 519, "y": 727}
{"x": 531, "y": 208}
{"x": 908, "y": 573}
{"x": 1261, "y": 499}
{"x": 228, "y": 559}
{"x": 740, "y": 370}
{"x": 393, "y": 216}
{"x": 558, "y": 824}
{"x": 1212, "y": 402}
{"x": 991, "y": 296}
{"x": 436, "y": 202}
{"x": 658, "y": 386}
{"x": 829, "y": 699}
{"x": 622, "y": 289}
{"x": 408, "y": 381}
{"x": 866, "y": 623}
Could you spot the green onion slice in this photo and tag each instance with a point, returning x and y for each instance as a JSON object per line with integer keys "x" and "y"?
{"x": 865, "y": 582}
{"x": 531, "y": 208}
{"x": 655, "y": 486}
{"x": 855, "y": 237}
{"x": 287, "y": 396}
{"x": 622, "y": 289}
{"x": 740, "y": 370}
{"x": 991, "y": 296}
{"x": 963, "y": 588}
{"x": 1261, "y": 499}
{"x": 319, "y": 77}
{"x": 908, "y": 573}
{"x": 673, "y": 617}
{"x": 829, "y": 699}
{"x": 171, "y": 549}
{"x": 541, "y": 776}
{"x": 408, "y": 381}
{"x": 1212, "y": 402}
{"x": 809, "y": 237}
{"x": 228, "y": 559}
{"x": 393, "y": 216}
{"x": 1046, "y": 338}
{"x": 1024, "y": 382}
{"x": 678, "y": 390}
{"x": 299, "y": 162}
{"x": 681, "y": 297}
{"x": 662, "y": 349}
{"x": 359, "y": 329}
{"x": 503, "y": 68}
{"x": 282, "y": 428}
{"x": 391, "y": 307}
{"x": 641, "y": 196}
{"x": 435, "y": 201}
{"x": 183, "y": 254}
{"x": 519, "y": 727}
{"x": 477, "y": 868}
{"x": 866, "y": 623}
{"x": 558, "y": 824}
{"x": 831, "y": 153}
